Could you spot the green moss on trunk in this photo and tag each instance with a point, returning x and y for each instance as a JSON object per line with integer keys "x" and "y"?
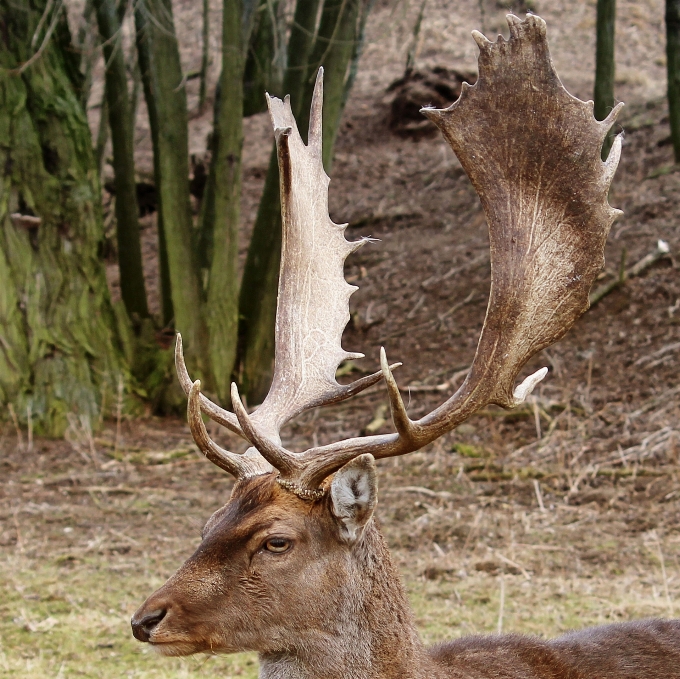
{"x": 165, "y": 94}
{"x": 225, "y": 179}
{"x": 60, "y": 349}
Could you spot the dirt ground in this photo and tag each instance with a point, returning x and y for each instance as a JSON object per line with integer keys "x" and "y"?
{"x": 561, "y": 514}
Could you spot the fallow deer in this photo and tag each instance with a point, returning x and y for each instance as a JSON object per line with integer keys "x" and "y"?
{"x": 293, "y": 566}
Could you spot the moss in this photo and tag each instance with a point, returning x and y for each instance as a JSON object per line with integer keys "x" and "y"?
{"x": 59, "y": 348}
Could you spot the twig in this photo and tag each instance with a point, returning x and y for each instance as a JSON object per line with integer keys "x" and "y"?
{"x": 669, "y": 348}
{"x": 41, "y": 49}
{"x": 661, "y": 251}
{"x": 29, "y": 418}
{"x": 514, "y": 564}
{"x": 664, "y": 575}
{"x": 119, "y": 412}
{"x": 41, "y": 23}
{"x": 13, "y": 415}
{"x": 539, "y": 495}
{"x": 421, "y": 490}
{"x": 439, "y": 319}
{"x": 473, "y": 528}
{"x": 501, "y": 606}
{"x": 537, "y": 417}
{"x": 444, "y": 386}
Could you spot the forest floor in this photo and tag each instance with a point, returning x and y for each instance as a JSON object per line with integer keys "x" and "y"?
{"x": 562, "y": 514}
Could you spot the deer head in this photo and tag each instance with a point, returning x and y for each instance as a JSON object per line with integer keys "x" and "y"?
{"x": 293, "y": 563}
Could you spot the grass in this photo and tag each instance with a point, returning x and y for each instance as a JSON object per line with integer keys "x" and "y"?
{"x": 82, "y": 546}
{"x": 65, "y": 619}
{"x": 70, "y": 618}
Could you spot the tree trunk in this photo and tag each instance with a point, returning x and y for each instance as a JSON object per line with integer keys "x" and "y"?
{"x": 102, "y": 134}
{"x": 673, "y": 65}
{"x": 605, "y": 65}
{"x": 225, "y": 179}
{"x": 60, "y": 350}
{"x": 333, "y": 48}
{"x": 259, "y": 290}
{"x": 167, "y": 96}
{"x": 263, "y": 72}
{"x": 143, "y": 59}
{"x": 205, "y": 57}
{"x": 133, "y": 290}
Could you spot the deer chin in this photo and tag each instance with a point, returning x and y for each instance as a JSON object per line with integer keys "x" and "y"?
{"x": 174, "y": 645}
{"x": 180, "y": 647}
{"x": 174, "y": 648}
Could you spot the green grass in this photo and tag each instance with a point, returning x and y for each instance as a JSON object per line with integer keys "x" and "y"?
{"x": 70, "y": 618}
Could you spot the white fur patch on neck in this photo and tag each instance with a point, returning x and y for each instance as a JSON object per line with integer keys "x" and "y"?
{"x": 354, "y": 495}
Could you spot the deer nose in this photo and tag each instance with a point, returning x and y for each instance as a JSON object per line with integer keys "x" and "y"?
{"x": 144, "y": 626}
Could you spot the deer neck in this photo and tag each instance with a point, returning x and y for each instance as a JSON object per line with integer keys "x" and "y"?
{"x": 369, "y": 635}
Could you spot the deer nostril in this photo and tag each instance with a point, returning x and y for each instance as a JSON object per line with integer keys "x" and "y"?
{"x": 144, "y": 626}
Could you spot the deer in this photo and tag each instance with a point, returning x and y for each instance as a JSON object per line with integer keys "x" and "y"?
{"x": 294, "y": 566}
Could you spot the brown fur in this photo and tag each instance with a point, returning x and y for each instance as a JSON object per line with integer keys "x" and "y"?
{"x": 329, "y": 609}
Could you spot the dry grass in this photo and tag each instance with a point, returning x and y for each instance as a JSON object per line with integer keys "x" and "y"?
{"x": 84, "y": 543}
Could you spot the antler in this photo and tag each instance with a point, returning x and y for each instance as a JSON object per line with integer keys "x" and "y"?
{"x": 313, "y": 302}
{"x": 532, "y": 152}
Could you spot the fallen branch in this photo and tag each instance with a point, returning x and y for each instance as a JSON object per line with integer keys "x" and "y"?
{"x": 662, "y": 250}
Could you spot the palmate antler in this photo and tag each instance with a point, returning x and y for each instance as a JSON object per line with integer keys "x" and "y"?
{"x": 532, "y": 152}
{"x": 312, "y": 311}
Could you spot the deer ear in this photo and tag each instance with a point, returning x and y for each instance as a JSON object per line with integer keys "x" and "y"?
{"x": 354, "y": 495}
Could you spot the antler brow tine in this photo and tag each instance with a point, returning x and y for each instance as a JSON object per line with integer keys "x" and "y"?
{"x": 230, "y": 462}
{"x": 212, "y": 410}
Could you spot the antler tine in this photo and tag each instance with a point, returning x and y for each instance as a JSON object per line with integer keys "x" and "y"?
{"x": 315, "y": 133}
{"x": 212, "y": 410}
{"x": 277, "y": 456}
{"x": 403, "y": 424}
{"x": 234, "y": 464}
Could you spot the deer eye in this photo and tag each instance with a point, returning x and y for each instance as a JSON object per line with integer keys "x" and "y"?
{"x": 277, "y": 545}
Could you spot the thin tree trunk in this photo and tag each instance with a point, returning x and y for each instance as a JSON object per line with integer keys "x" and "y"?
{"x": 336, "y": 63}
{"x": 605, "y": 65}
{"x": 225, "y": 176}
{"x": 87, "y": 42}
{"x": 60, "y": 348}
{"x": 263, "y": 64}
{"x": 333, "y": 48}
{"x": 143, "y": 60}
{"x": 205, "y": 56}
{"x": 300, "y": 45}
{"x": 259, "y": 290}
{"x": 133, "y": 290}
{"x": 364, "y": 10}
{"x": 102, "y": 133}
{"x": 167, "y": 96}
{"x": 673, "y": 65}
